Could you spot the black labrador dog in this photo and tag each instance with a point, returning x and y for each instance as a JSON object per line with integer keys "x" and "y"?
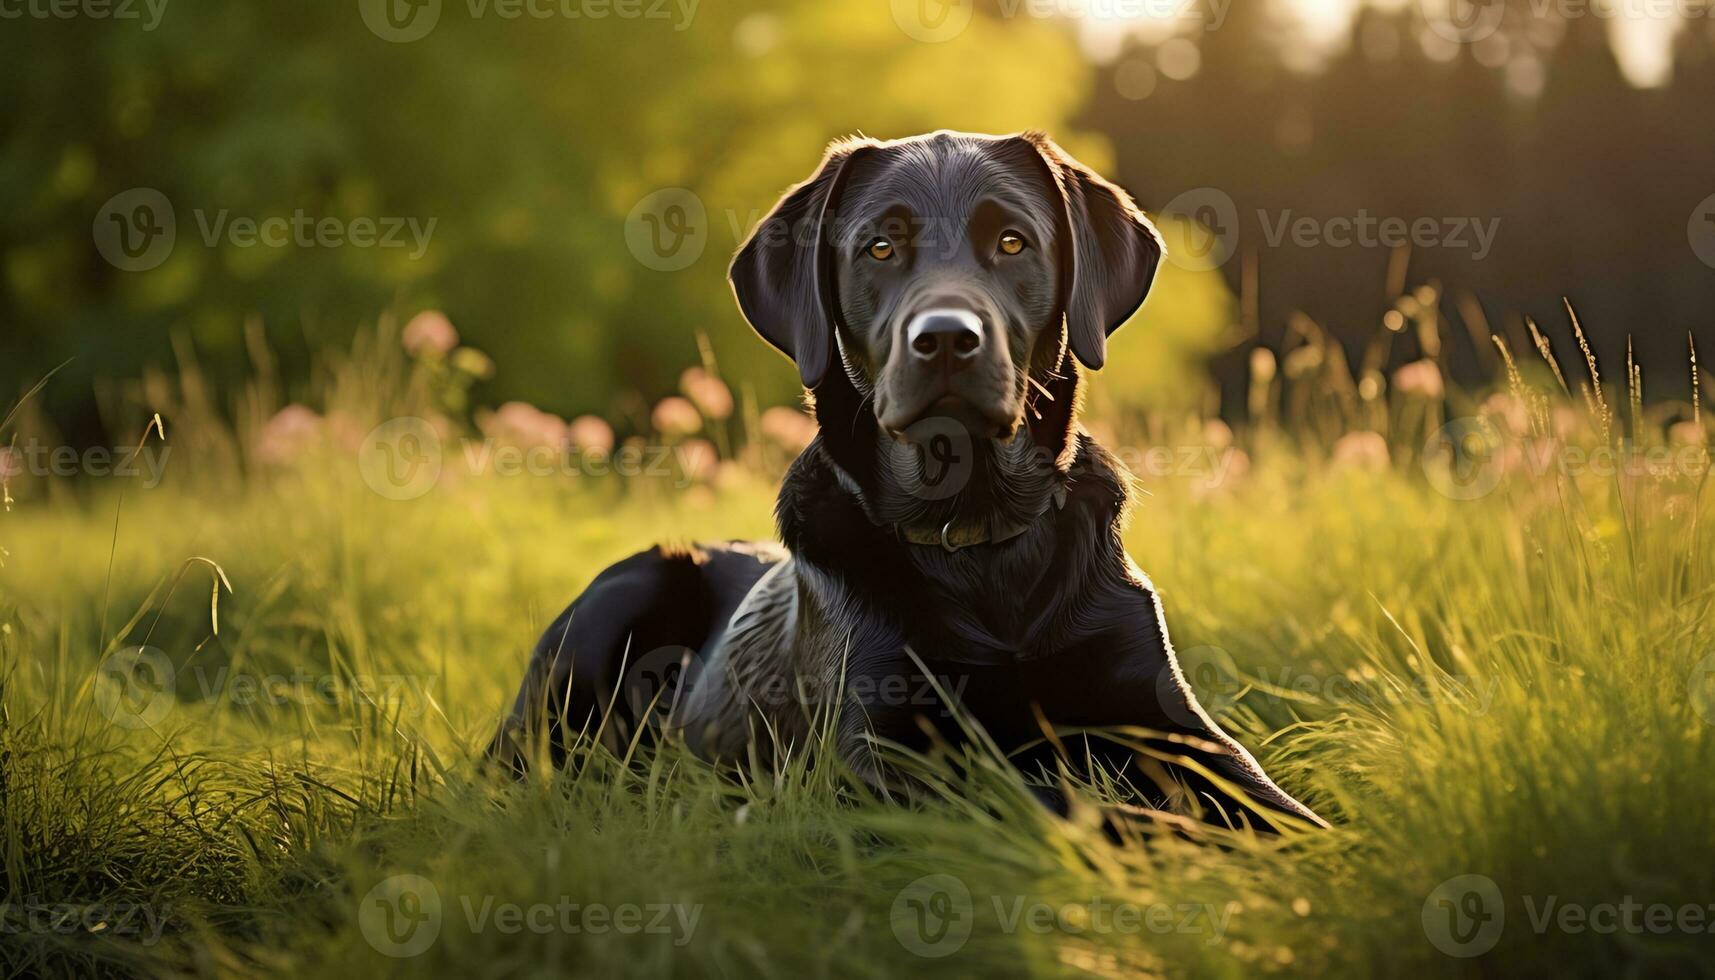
{"x": 951, "y": 535}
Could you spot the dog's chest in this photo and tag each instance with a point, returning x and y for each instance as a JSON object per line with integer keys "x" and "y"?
{"x": 981, "y": 605}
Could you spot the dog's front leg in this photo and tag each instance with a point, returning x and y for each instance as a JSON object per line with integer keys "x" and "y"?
{"x": 852, "y": 657}
{"x": 1127, "y": 676}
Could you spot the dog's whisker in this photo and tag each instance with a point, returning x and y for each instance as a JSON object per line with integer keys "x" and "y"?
{"x": 1039, "y": 387}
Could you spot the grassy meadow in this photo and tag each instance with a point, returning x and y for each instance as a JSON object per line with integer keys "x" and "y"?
{"x": 1476, "y": 656}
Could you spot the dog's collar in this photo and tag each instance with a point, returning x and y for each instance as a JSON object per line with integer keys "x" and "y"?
{"x": 947, "y": 537}
{"x": 953, "y": 539}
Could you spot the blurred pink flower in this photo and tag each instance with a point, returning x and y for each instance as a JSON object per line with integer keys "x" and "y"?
{"x": 1511, "y": 413}
{"x": 430, "y": 332}
{"x": 1420, "y": 378}
{"x": 709, "y": 392}
{"x": 11, "y": 463}
{"x": 1361, "y": 451}
{"x": 287, "y": 435}
{"x": 1217, "y": 434}
{"x": 591, "y": 433}
{"x": 523, "y": 424}
{"x": 348, "y": 431}
{"x": 789, "y": 427}
{"x": 1568, "y": 422}
{"x": 1686, "y": 433}
{"x": 676, "y": 416}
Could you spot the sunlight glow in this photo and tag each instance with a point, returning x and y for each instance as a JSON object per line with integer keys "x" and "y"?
{"x": 1313, "y": 31}
{"x": 1643, "y": 45}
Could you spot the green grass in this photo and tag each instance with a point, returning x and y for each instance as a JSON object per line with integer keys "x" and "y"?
{"x": 1512, "y": 687}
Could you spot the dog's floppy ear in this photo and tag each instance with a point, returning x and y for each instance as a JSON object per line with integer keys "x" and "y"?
{"x": 1110, "y": 254}
{"x": 781, "y": 275}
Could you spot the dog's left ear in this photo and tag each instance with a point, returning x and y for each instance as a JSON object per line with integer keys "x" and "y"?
{"x": 781, "y": 276}
{"x": 1110, "y": 254}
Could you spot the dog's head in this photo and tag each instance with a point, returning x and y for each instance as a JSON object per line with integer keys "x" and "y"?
{"x": 945, "y": 272}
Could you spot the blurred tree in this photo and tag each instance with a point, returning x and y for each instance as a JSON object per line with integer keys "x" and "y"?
{"x": 527, "y": 142}
{"x": 1594, "y": 182}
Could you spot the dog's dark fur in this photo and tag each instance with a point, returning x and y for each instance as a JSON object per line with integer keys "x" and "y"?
{"x": 1040, "y": 618}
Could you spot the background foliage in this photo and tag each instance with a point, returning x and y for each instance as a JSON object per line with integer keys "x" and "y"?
{"x": 529, "y": 141}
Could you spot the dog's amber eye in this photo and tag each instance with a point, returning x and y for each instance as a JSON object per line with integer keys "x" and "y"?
{"x": 881, "y": 250}
{"x": 1011, "y": 242}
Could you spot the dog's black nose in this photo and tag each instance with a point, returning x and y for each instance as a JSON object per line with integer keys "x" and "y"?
{"x": 957, "y": 334}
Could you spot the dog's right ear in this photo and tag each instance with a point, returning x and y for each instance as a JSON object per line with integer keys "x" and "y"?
{"x": 782, "y": 274}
